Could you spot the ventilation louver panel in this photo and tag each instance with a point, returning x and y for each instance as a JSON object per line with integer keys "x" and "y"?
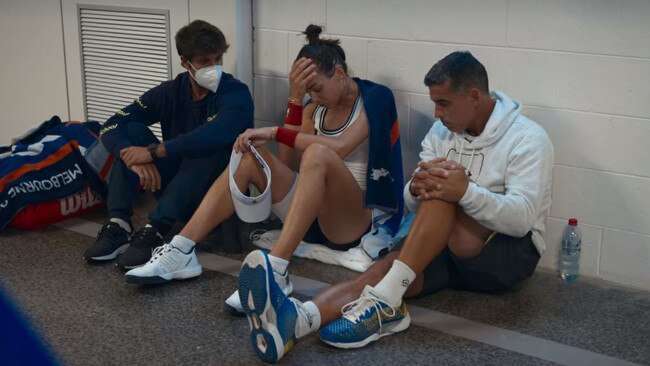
{"x": 124, "y": 52}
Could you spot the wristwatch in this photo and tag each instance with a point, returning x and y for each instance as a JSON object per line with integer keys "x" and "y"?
{"x": 152, "y": 150}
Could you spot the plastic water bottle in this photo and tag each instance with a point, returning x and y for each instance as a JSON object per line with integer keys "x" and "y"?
{"x": 570, "y": 256}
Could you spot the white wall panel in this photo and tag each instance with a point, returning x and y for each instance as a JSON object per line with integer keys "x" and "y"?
{"x": 565, "y": 127}
{"x": 293, "y": 15}
{"x": 603, "y": 26}
{"x": 600, "y": 198}
{"x": 403, "y": 65}
{"x": 33, "y": 69}
{"x": 270, "y": 98}
{"x": 626, "y": 258}
{"x": 463, "y": 21}
{"x": 270, "y": 53}
{"x": 577, "y": 82}
{"x": 596, "y": 141}
{"x": 629, "y": 148}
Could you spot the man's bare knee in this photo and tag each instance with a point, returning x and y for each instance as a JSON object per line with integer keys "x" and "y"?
{"x": 468, "y": 237}
{"x": 464, "y": 246}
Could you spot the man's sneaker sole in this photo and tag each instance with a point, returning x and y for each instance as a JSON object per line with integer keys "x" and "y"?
{"x": 183, "y": 274}
{"x": 256, "y": 302}
{"x": 387, "y": 329}
{"x": 109, "y": 257}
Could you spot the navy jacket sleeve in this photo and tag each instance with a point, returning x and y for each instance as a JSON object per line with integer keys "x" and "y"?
{"x": 233, "y": 114}
{"x": 146, "y": 109}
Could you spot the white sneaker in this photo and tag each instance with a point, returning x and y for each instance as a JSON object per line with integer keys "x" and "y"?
{"x": 233, "y": 304}
{"x": 167, "y": 263}
{"x": 377, "y": 243}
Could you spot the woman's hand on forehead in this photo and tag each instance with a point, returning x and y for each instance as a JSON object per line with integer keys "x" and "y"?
{"x": 302, "y": 74}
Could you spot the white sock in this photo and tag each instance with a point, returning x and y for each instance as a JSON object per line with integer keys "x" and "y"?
{"x": 394, "y": 284}
{"x": 279, "y": 264}
{"x": 308, "y": 318}
{"x": 123, "y": 224}
{"x": 184, "y": 244}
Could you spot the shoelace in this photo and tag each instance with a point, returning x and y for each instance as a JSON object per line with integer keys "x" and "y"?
{"x": 355, "y": 309}
{"x": 159, "y": 251}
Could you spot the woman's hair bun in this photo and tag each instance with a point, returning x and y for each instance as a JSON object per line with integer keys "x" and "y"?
{"x": 312, "y": 32}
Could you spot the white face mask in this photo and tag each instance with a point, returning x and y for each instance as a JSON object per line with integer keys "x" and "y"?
{"x": 208, "y": 77}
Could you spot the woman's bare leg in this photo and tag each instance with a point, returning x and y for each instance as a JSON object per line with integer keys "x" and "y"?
{"x": 217, "y": 204}
{"x": 325, "y": 189}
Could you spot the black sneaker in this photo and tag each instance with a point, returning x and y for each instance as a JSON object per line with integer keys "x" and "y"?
{"x": 112, "y": 240}
{"x": 139, "y": 252}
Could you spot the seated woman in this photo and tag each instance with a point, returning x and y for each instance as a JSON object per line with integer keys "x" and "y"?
{"x": 346, "y": 144}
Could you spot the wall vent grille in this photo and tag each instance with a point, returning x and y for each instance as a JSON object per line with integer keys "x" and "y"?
{"x": 124, "y": 52}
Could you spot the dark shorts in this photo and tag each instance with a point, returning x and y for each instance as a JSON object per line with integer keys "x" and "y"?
{"x": 315, "y": 236}
{"x": 504, "y": 262}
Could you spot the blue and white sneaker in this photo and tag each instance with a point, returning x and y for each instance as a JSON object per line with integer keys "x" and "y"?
{"x": 271, "y": 315}
{"x": 233, "y": 304}
{"x": 377, "y": 243}
{"x": 365, "y": 320}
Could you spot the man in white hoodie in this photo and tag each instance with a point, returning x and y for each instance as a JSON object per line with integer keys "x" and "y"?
{"x": 481, "y": 193}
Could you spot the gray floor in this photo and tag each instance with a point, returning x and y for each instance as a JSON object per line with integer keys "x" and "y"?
{"x": 91, "y": 317}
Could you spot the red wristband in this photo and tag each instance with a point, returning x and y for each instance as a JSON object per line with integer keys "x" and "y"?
{"x": 286, "y": 136}
{"x": 294, "y": 114}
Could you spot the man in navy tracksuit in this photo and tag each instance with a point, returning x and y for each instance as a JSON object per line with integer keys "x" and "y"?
{"x": 201, "y": 113}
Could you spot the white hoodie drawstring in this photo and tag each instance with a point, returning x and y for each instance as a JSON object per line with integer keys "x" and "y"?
{"x": 460, "y": 156}
{"x": 471, "y": 160}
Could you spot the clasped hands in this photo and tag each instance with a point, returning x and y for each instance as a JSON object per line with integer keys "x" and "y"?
{"x": 439, "y": 179}
{"x": 138, "y": 159}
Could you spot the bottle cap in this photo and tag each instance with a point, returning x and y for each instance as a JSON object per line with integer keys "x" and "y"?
{"x": 573, "y": 221}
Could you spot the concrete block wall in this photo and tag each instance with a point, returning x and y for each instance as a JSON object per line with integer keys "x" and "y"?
{"x": 581, "y": 68}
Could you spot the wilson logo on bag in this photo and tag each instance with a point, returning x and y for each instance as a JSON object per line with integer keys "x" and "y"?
{"x": 46, "y": 213}
{"x": 83, "y": 201}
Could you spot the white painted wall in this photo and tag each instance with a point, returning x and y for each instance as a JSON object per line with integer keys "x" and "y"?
{"x": 581, "y": 68}
{"x": 32, "y": 67}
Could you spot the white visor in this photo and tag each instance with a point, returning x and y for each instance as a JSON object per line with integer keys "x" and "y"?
{"x": 250, "y": 209}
